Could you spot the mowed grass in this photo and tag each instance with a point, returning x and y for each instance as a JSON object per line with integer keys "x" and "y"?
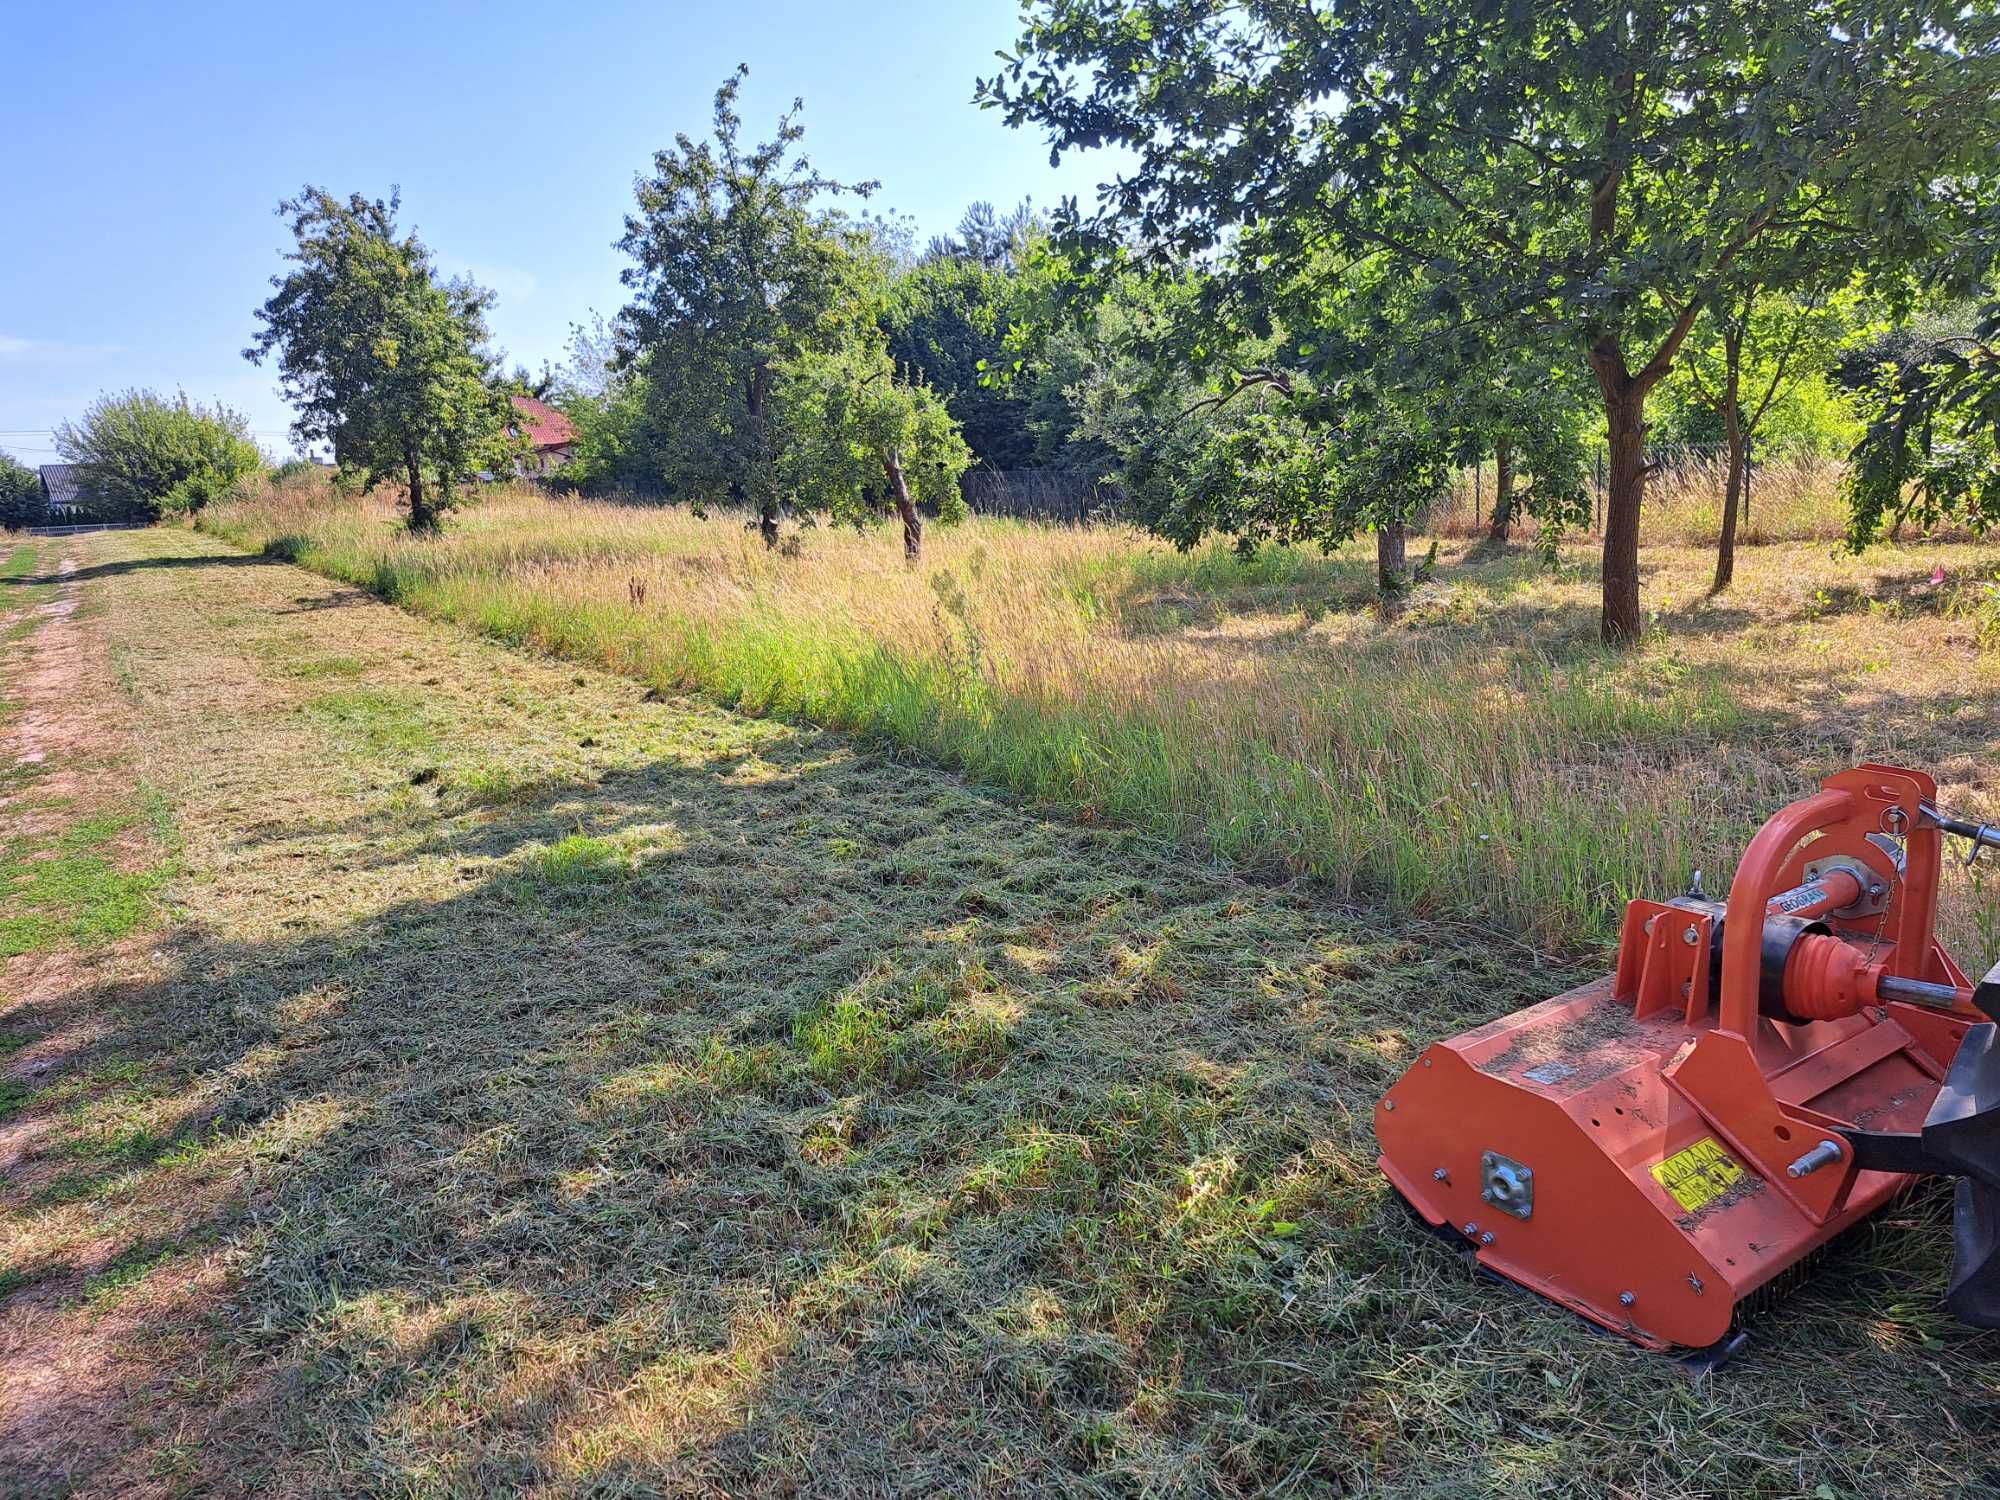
{"x": 1477, "y": 753}
{"x": 602, "y": 1094}
{"x": 80, "y": 843}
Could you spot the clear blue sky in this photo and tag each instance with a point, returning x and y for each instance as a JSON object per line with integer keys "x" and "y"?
{"x": 148, "y": 146}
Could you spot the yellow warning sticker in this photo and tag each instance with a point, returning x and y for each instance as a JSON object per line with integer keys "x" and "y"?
{"x": 1698, "y": 1175}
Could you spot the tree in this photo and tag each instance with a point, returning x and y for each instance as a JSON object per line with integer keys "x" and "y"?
{"x": 1761, "y": 345}
{"x": 989, "y": 238}
{"x": 1264, "y": 469}
{"x": 948, "y": 320}
{"x": 384, "y": 362}
{"x": 20, "y": 493}
{"x": 1529, "y": 167}
{"x": 153, "y": 456}
{"x": 735, "y": 273}
{"x": 857, "y": 432}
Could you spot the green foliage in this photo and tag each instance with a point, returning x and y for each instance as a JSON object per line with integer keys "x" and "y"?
{"x": 734, "y": 274}
{"x": 1931, "y": 454}
{"x": 990, "y": 239}
{"x": 381, "y": 360}
{"x": 1596, "y": 176}
{"x": 860, "y": 438}
{"x": 948, "y": 319}
{"x": 1784, "y": 346}
{"x": 1811, "y": 416}
{"x": 151, "y": 456}
{"x": 613, "y": 448}
{"x": 20, "y": 493}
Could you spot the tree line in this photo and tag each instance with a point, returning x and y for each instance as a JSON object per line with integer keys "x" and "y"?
{"x": 1359, "y": 247}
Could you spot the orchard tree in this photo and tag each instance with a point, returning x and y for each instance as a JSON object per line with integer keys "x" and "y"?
{"x": 1528, "y": 405}
{"x": 384, "y": 362}
{"x": 1264, "y": 466}
{"x": 1528, "y": 167}
{"x": 860, "y": 440}
{"x": 156, "y": 456}
{"x": 735, "y": 273}
{"x": 1756, "y": 347}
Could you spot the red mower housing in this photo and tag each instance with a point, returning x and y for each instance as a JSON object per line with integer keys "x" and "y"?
{"x": 1758, "y": 1075}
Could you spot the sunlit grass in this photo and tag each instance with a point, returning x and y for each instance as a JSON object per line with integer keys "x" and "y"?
{"x": 1478, "y": 752}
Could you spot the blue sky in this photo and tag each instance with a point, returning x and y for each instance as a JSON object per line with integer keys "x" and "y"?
{"x": 149, "y": 145}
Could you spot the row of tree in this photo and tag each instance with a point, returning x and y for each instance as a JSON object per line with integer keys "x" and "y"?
{"x": 1360, "y": 246}
{"x": 1415, "y": 222}
{"x": 752, "y": 366}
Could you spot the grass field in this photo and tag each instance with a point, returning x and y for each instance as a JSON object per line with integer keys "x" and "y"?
{"x": 522, "y": 1082}
{"x": 1262, "y": 710}
{"x": 531, "y": 1085}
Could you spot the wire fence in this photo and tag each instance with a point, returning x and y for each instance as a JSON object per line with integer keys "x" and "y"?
{"x": 1058, "y": 495}
{"x": 1786, "y": 496}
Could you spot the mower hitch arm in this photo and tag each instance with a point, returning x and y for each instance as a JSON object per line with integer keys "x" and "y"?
{"x": 1980, "y": 835}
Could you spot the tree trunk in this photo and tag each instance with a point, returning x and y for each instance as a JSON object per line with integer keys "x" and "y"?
{"x": 767, "y": 502}
{"x": 422, "y": 517}
{"x": 1619, "y": 623}
{"x": 1391, "y": 564}
{"x": 1732, "y": 425}
{"x": 913, "y": 523}
{"x": 1503, "y": 490}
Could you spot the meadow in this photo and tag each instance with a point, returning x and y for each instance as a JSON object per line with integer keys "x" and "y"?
{"x": 1475, "y": 754}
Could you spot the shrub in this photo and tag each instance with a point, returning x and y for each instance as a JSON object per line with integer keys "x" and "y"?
{"x": 149, "y": 456}
{"x": 20, "y": 493}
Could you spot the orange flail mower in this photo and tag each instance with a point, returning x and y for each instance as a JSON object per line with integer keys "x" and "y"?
{"x": 1760, "y": 1073}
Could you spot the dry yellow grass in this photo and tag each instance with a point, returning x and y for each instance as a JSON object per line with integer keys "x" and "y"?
{"x": 1793, "y": 498}
{"x": 1477, "y": 752}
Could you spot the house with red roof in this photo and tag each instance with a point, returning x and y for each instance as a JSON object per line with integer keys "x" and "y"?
{"x": 552, "y": 435}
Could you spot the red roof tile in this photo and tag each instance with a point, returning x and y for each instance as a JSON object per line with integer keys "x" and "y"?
{"x": 542, "y": 424}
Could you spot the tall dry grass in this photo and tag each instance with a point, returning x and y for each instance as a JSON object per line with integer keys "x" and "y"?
{"x": 1478, "y": 753}
{"x": 1793, "y": 498}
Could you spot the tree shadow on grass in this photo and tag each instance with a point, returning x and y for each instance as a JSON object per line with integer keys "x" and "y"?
{"x": 556, "y": 1139}
{"x": 143, "y": 564}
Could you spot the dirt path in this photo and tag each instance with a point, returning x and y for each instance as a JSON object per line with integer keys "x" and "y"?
{"x": 516, "y": 1086}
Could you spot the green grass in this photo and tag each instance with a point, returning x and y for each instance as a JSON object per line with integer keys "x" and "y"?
{"x": 14, "y": 1096}
{"x": 21, "y": 592}
{"x": 371, "y": 721}
{"x": 18, "y": 563}
{"x": 73, "y": 889}
{"x": 574, "y": 863}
